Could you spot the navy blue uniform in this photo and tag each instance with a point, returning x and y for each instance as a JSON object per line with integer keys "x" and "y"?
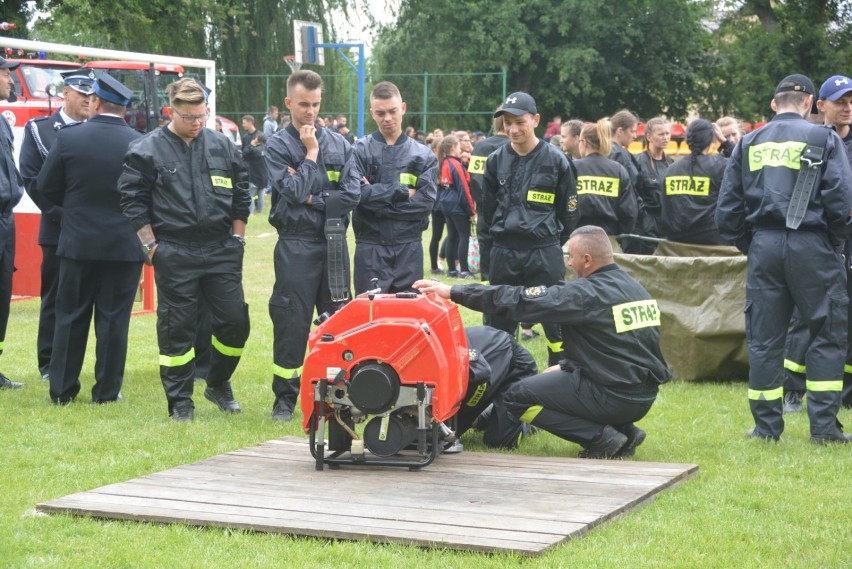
{"x": 39, "y": 135}
{"x": 301, "y": 254}
{"x": 100, "y": 257}
{"x": 789, "y": 268}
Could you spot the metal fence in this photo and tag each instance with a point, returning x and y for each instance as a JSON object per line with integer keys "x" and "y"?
{"x": 475, "y": 94}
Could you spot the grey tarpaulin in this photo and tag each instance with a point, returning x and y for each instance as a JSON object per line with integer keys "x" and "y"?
{"x": 701, "y": 293}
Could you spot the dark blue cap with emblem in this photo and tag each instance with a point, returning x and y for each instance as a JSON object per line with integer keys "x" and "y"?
{"x": 835, "y": 87}
{"x": 110, "y": 89}
{"x": 81, "y": 80}
{"x": 518, "y": 104}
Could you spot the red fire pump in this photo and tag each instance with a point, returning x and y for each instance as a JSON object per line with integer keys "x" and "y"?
{"x": 398, "y": 363}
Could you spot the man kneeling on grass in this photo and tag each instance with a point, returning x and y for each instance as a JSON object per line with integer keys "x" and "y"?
{"x": 612, "y": 366}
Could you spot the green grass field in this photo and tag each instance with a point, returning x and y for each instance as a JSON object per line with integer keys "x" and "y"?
{"x": 752, "y": 504}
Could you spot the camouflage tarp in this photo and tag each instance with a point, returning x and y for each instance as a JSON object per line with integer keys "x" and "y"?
{"x": 701, "y": 294}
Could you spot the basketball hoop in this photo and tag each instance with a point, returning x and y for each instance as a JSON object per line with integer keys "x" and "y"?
{"x": 291, "y": 62}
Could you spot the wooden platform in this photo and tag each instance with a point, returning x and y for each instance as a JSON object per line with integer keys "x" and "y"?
{"x": 473, "y": 501}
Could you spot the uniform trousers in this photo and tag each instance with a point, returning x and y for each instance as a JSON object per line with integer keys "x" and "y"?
{"x": 47, "y": 311}
{"x": 395, "y": 266}
{"x": 7, "y": 268}
{"x": 107, "y": 289}
{"x": 787, "y": 270}
{"x": 797, "y": 345}
{"x": 529, "y": 267}
{"x": 301, "y": 285}
{"x": 184, "y": 273}
{"x": 573, "y": 407}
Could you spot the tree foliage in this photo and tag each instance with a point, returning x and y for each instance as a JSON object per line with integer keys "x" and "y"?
{"x": 578, "y": 58}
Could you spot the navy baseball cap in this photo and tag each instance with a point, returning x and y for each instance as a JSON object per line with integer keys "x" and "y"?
{"x": 81, "y": 80}
{"x": 4, "y": 64}
{"x": 518, "y": 104}
{"x": 110, "y": 89}
{"x": 835, "y": 87}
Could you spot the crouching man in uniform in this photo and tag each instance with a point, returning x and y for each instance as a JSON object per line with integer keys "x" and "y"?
{"x": 613, "y": 365}
{"x": 497, "y": 362}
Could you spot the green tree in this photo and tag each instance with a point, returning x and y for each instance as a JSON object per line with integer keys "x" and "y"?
{"x": 579, "y": 58}
{"x": 759, "y": 42}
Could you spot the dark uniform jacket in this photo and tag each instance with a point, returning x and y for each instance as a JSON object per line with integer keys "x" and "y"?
{"x": 610, "y": 326}
{"x": 386, "y": 215}
{"x": 690, "y": 192}
{"x": 476, "y": 167}
{"x": 605, "y": 195}
{"x": 626, "y": 159}
{"x": 80, "y": 175}
{"x": 333, "y": 171}
{"x": 529, "y": 201}
{"x": 11, "y": 184}
{"x": 253, "y": 157}
{"x": 190, "y": 194}
{"x": 39, "y": 135}
{"x": 496, "y": 361}
{"x": 760, "y": 178}
{"x": 649, "y": 185}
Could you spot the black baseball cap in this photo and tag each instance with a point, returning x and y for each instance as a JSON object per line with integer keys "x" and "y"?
{"x": 797, "y": 84}
{"x": 5, "y": 64}
{"x": 518, "y": 104}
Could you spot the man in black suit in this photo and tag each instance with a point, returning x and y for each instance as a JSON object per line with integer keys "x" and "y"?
{"x": 39, "y": 135}
{"x": 100, "y": 258}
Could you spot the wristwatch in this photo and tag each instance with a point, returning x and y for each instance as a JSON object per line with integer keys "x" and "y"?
{"x": 241, "y": 239}
{"x": 148, "y": 247}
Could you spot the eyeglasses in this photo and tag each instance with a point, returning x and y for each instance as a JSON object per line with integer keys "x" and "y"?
{"x": 566, "y": 254}
{"x": 193, "y": 118}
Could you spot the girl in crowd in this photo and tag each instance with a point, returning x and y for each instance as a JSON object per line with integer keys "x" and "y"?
{"x": 456, "y": 203}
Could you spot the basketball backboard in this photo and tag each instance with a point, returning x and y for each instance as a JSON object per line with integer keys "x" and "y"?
{"x": 306, "y": 36}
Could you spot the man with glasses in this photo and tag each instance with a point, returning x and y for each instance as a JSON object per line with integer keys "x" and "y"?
{"x": 39, "y": 135}
{"x": 185, "y": 190}
{"x": 11, "y": 191}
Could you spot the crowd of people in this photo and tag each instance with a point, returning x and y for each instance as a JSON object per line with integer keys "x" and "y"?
{"x": 538, "y": 205}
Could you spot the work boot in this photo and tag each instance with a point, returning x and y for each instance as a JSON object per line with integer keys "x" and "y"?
{"x": 281, "y": 413}
{"x": 756, "y": 434}
{"x": 183, "y": 412}
{"x": 836, "y": 437}
{"x": 607, "y": 445}
{"x": 223, "y": 397}
{"x": 6, "y": 383}
{"x": 792, "y": 402}
{"x": 635, "y": 437}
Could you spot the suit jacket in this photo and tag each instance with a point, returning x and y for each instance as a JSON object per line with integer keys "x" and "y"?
{"x": 39, "y": 135}
{"x": 81, "y": 175}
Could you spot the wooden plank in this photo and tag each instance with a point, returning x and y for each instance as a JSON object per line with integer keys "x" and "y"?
{"x": 475, "y": 501}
